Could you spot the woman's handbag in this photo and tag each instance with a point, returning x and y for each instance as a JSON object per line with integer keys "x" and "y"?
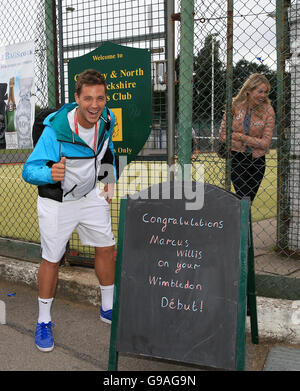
{"x": 221, "y": 149}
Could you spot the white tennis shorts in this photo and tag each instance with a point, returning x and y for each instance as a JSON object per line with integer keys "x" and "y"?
{"x": 90, "y": 216}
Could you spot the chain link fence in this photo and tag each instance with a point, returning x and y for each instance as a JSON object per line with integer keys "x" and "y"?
{"x": 20, "y": 23}
{"x": 62, "y": 30}
{"x": 230, "y": 42}
{"x": 216, "y": 47}
{"x": 139, "y": 24}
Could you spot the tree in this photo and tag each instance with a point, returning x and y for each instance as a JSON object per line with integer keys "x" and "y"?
{"x": 243, "y": 69}
{"x": 202, "y": 86}
{"x": 204, "y": 63}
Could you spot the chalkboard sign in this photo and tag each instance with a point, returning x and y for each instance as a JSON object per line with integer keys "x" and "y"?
{"x": 183, "y": 279}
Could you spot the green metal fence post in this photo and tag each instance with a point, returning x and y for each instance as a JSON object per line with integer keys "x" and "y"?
{"x": 186, "y": 82}
{"x": 171, "y": 84}
{"x": 229, "y": 77}
{"x": 282, "y": 153}
{"x": 61, "y": 52}
{"x": 50, "y": 22}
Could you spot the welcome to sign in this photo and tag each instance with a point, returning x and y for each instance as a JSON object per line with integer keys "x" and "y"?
{"x": 128, "y": 76}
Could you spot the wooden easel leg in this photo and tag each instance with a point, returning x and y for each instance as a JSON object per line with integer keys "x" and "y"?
{"x": 113, "y": 359}
{"x": 113, "y": 354}
{"x": 251, "y": 291}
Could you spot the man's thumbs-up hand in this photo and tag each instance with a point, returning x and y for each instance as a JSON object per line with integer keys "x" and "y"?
{"x": 58, "y": 170}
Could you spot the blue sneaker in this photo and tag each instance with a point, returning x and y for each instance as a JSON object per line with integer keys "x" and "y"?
{"x": 106, "y": 316}
{"x": 43, "y": 337}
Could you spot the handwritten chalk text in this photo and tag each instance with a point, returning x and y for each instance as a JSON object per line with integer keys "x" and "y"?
{"x": 191, "y": 253}
{"x": 155, "y": 239}
{"x": 191, "y": 222}
{"x": 176, "y": 304}
{"x": 182, "y": 266}
{"x": 153, "y": 280}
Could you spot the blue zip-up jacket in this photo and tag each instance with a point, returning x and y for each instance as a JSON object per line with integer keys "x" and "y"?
{"x": 83, "y": 166}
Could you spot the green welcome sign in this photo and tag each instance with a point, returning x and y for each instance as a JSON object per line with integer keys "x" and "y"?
{"x": 128, "y": 75}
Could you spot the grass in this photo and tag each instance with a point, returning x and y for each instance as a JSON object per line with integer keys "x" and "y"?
{"x": 265, "y": 203}
{"x": 18, "y": 199}
{"x": 17, "y": 205}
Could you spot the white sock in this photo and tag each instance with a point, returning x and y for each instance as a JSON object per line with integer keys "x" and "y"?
{"x": 107, "y": 296}
{"x": 44, "y": 310}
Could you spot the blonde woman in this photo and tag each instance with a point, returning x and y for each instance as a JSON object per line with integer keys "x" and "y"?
{"x": 253, "y": 122}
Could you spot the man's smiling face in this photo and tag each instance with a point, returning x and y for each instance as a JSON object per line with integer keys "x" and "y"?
{"x": 91, "y": 103}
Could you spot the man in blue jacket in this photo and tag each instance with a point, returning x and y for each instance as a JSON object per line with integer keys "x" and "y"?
{"x": 74, "y": 149}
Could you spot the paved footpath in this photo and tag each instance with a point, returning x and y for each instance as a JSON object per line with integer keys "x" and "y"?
{"x": 82, "y": 340}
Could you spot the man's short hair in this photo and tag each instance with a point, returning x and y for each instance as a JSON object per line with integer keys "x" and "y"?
{"x": 89, "y": 77}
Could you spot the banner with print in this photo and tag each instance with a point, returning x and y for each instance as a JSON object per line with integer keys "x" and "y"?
{"x": 16, "y": 100}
